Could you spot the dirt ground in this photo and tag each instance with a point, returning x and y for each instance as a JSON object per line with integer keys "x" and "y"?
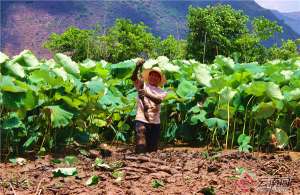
{"x": 179, "y": 170}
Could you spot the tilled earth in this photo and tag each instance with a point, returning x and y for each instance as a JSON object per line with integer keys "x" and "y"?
{"x": 178, "y": 170}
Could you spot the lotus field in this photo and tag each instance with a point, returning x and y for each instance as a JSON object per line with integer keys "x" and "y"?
{"x": 46, "y": 105}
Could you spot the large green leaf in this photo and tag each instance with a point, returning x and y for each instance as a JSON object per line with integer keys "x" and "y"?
{"x": 87, "y": 68}
{"x": 122, "y": 70}
{"x": 73, "y": 102}
{"x": 222, "y": 111}
{"x": 273, "y": 91}
{"x": 171, "y": 95}
{"x": 243, "y": 139}
{"x": 12, "y": 121}
{"x": 252, "y": 68}
{"x": 257, "y": 88}
{"x": 198, "y": 117}
{"x": 202, "y": 74}
{"x": 30, "y": 100}
{"x": 216, "y": 123}
{"x": 278, "y": 78}
{"x": 287, "y": 74}
{"x": 102, "y": 72}
{"x": 186, "y": 89}
{"x": 96, "y": 86}
{"x": 60, "y": 72}
{"x": 293, "y": 95}
{"x": 15, "y": 69}
{"x": 263, "y": 110}
{"x": 227, "y": 64}
{"x": 12, "y": 100}
{"x": 150, "y": 63}
{"x": 3, "y": 58}
{"x": 8, "y": 84}
{"x": 42, "y": 77}
{"x": 59, "y": 117}
{"x": 162, "y": 59}
{"x": 26, "y": 58}
{"x": 169, "y": 67}
{"x": 69, "y": 65}
{"x": 238, "y": 78}
{"x": 226, "y": 94}
{"x": 88, "y": 64}
{"x": 217, "y": 84}
{"x": 281, "y": 137}
{"x": 165, "y": 65}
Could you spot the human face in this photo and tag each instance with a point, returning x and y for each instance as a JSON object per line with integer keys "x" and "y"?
{"x": 154, "y": 78}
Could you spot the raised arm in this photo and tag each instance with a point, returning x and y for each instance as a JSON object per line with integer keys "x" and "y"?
{"x": 138, "y": 83}
{"x": 138, "y": 67}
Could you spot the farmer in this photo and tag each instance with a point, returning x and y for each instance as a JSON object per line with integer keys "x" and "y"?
{"x": 150, "y": 95}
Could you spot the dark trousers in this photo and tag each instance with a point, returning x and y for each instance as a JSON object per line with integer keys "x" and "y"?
{"x": 147, "y": 137}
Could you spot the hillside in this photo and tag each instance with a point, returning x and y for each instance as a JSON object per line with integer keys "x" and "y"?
{"x": 26, "y": 25}
{"x": 292, "y": 19}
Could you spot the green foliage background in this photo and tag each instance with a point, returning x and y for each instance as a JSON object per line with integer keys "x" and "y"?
{"x": 216, "y": 30}
{"x": 48, "y": 104}
{"x": 241, "y": 99}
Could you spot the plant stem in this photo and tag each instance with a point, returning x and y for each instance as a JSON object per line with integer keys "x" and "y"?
{"x": 298, "y": 140}
{"x": 213, "y": 137}
{"x": 245, "y": 118}
{"x": 233, "y": 133}
{"x": 228, "y": 123}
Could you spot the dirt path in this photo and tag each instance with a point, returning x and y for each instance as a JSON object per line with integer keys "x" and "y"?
{"x": 178, "y": 170}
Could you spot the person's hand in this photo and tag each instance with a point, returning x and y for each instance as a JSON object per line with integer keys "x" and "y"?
{"x": 140, "y": 62}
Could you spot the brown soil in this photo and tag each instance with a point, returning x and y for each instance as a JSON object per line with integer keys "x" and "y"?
{"x": 181, "y": 170}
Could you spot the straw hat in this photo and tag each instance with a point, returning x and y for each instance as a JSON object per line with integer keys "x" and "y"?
{"x": 146, "y": 73}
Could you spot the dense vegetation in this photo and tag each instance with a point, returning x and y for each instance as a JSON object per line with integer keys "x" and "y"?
{"x": 250, "y": 98}
{"x": 217, "y": 30}
{"x": 50, "y": 103}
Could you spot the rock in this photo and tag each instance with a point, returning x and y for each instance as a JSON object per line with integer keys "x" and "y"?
{"x": 159, "y": 175}
{"x": 195, "y": 170}
{"x": 94, "y": 153}
{"x": 174, "y": 171}
{"x": 213, "y": 167}
{"x": 294, "y": 156}
{"x": 171, "y": 180}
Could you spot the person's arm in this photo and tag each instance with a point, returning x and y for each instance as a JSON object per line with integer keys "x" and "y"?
{"x": 138, "y": 83}
{"x": 157, "y": 99}
{"x": 138, "y": 67}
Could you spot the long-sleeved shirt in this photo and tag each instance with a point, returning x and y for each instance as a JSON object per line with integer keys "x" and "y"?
{"x": 153, "y": 108}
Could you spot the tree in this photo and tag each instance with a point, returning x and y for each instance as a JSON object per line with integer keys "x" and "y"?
{"x": 79, "y": 44}
{"x": 213, "y": 30}
{"x": 250, "y": 48}
{"x": 172, "y": 48}
{"x": 286, "y": 51}
{"x": 264, "y": 29}
{"x": 126, "y": 40}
